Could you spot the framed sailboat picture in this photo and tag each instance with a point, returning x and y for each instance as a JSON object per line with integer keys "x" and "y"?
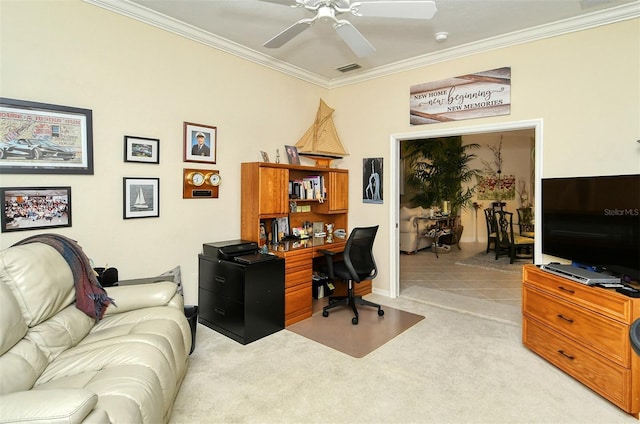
{"x": 141, "y": 197}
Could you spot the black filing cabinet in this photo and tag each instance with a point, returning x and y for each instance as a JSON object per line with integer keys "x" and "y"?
{"x": 242, "y": 301}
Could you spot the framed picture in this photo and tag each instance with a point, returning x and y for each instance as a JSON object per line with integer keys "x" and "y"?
{"x": 34, "y": 208}
{"x": 141, "y": 197}
{"x": 39, "y": 138}
{"x": 199, "y": 143}
{"x": 141, "y": 149}
{"x": 283, "y": 225}
{"x": 292, "y": 155}
{"x": 264, "y": 156}
{"x": 372, "y": 180}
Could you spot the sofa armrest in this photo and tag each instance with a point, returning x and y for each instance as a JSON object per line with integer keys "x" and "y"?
{"x": 50, "y": 406}
{"x": 129, "y": 298}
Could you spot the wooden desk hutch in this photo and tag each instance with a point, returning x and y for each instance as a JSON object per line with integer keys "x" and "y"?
{"x": 265, "y": 197}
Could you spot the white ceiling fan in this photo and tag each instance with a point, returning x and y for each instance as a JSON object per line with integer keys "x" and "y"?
{"x": 328, "y": 10}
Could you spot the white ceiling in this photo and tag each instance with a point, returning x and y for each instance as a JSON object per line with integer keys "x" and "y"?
{"x": 241, "y": 27}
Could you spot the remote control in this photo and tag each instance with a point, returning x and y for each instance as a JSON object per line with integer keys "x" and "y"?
{"x": 610, "y": 285}
{"x": 628, "y": 291}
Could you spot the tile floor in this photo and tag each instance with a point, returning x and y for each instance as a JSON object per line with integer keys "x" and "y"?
{"x": 425, "y": 270}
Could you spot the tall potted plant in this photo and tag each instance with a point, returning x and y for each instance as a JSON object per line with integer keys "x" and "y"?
{"x": 439, "y": 168}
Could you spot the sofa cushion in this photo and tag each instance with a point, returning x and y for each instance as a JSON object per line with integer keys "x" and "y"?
{"x": 12, "y": 325}
{"x": 49, "y": 406}
{"x": 54, "y": 290}
{"x": 406, "y": 213}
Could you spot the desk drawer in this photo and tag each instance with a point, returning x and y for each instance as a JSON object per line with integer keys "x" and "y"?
{"x": 604, "y": 335}
{"x": 298, "y": 304}
{"x": 603, "y": 376}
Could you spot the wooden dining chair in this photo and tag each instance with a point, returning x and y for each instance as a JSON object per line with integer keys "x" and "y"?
{"x": 514, "y": 245}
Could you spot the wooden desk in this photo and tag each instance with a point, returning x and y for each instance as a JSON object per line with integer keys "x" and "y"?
{"x": 299, "y": 256}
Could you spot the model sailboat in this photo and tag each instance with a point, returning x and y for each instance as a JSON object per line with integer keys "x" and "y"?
{"x": 140, "y": 202}
{"x": 321, "y": 141}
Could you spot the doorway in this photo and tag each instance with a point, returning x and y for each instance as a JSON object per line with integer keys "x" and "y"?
{"x": 396, "y": 139}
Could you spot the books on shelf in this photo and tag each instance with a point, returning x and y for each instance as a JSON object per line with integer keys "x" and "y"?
{"x": 308, "y": 188}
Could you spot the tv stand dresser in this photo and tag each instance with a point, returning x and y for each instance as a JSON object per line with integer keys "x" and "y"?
{"x": 584, "y": 331}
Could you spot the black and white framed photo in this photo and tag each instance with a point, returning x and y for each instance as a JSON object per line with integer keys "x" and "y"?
{"x": 35, "y": 208}
{"x": 200, "y": 143}
{"x": 141, "y": 149}
{"x": 372, "y": 180}
{"x": 40, "y": 138}
{"x": 141, "y": 197}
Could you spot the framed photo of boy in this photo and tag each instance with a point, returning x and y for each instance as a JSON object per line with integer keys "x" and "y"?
{"x": 34, "y": 208}
{"x": 200, "y": 143}
{"x": 141, "y": 197}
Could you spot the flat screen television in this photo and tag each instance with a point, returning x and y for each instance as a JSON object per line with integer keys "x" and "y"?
{"x": 594, "y": 222}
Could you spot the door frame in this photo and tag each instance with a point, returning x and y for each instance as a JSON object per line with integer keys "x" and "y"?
{"x": 394, "y": 204}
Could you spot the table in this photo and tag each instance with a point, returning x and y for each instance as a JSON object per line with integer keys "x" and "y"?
{"x": 437, "y": 227}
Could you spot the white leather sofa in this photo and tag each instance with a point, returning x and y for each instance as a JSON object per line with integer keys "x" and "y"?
{"x": 58, "y": 365}
{"x": 410, "y": 241}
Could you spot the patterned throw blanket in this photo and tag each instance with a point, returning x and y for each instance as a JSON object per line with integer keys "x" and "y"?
{"x": 91, "y": 298}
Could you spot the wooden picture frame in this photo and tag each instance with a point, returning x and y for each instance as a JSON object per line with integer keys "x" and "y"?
{"x": 35, "y": 208}
{"x": 40, "y": 138}
{"x": 141, "y": 149}
{"x": 141, "y": 197}
{"x": 196, "y": 135}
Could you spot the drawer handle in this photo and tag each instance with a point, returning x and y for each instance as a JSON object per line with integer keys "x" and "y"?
{"x": 219, "y": 311}
{"x": 220, "y": 279}
{"x": 565, "y": 318}
{"x": 561, "y": 352}
{"x": 567, "y": 290}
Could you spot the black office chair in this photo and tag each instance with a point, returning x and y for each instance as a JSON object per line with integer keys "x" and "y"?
{"x": 356, "y": 265}
{"x": 634, "y": 334}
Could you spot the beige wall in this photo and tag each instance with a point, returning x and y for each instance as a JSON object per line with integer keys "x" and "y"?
{"x": 142, "y": 81}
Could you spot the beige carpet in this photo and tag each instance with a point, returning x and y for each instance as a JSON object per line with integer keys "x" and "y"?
{"x": 372, "y": 331}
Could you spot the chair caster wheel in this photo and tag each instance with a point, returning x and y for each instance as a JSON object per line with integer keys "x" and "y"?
{"x": 354, "y": 320}
{"x": 325, "y": 314}
{"x": 380, "y": 312}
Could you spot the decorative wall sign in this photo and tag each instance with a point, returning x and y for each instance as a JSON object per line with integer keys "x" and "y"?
{"x": 372, "y": 180}
{"x": 141, "y": 197}
{"x": 39, "y": 138}
{"x": 470, "y": 96}
{"x": 141, "y": 149}
{"x": 34, "y": 208}
{"x": 200, "y": 143}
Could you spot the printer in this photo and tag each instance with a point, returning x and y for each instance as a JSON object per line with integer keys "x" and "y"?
{"x": 241, "y": 251}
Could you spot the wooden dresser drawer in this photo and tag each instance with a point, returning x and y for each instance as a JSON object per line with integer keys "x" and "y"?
{"x": 603, "y": 376}
{"x": 603, "y": 301}
{"x": 298, "y": 276}
{"x": 604, "y": 335}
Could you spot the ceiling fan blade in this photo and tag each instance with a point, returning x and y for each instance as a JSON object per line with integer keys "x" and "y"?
{"x": 395, "y": 9}
{"x": 292, "y": 3}
{"x": 288, "y": 34}
{"x": 356, "y": 41}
